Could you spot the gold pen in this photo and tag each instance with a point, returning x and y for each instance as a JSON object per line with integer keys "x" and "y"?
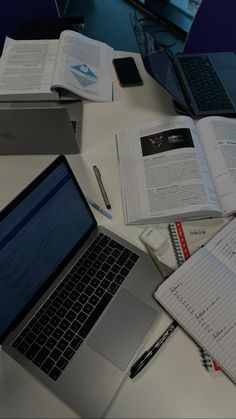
{"x": 101, "y": 186}
{"x": 157, "y": 262}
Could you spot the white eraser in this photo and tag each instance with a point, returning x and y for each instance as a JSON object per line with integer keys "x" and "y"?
{"x": 153, "y": 238}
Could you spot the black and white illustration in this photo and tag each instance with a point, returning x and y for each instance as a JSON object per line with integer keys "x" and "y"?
{"x": 166, "y": 140}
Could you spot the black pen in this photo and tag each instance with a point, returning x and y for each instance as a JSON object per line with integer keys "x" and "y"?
{"x": 148, "y": 355}
{"x": 101, "y": 186}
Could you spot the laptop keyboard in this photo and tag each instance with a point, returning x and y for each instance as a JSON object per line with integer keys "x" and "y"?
{"x": 204, "y": 83}
{"x": 57, "y": 330}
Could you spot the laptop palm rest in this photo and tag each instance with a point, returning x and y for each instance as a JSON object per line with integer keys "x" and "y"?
{"x": 122, "y": 329}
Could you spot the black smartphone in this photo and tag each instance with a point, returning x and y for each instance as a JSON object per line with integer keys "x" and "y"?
{"x": 127, "y": 71}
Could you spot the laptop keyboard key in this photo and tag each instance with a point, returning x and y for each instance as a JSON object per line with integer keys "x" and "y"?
{"x": 41, "y": 356}
{"x": 119, "y": 279}
{"x": 110, "y": 276}
{"x": 55, "y": 354}
{"x": 100, "y": 274}
{"x": 30, "y": 337}
{"x": 68, "y": 304}
{"x": 64, "y": 324}
{"x": 61, "y": 312}
{"x": 62, "y": 344}
{"x": 62, "y": 363}
{"x": 113, "y": 288}
{"x": 94, "y": 300}
{"x": 32, "y": 351}
{"x": 55, "y": 373}
{"x": 124, "y": 271}
{"x": 76, "y": 342}
{"x": 69, "y": 352}
{"x": 75, "y": 326}
{"x": 41, "y": 339}
{"x": 23, "y": 346}
{"x": 123, "y": 257}
{"x": 99, "y": 291}
{"x": 37, "y": 328}
{"x": 70, "y": 316}
{"x": 83, "y": 298}
{"x": 48, "y": 330}
{"x": 89, "y": 290}
{"x": 105, "y": 283}
{"x": 134, "y": 257}
{"x": 55, "y": 321}
{"x": 88, "y": 308}
{"x": 81, "y": 317}
{"x": 47, "y": 365}
{"x": 57, "y": 334}
{"x": 95, "y": 315}
{"x": 69, "y": 335}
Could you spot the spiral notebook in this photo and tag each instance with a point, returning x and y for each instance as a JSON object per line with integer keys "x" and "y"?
{"x": 188, "y": 236}
{"x": 200, "y": 295}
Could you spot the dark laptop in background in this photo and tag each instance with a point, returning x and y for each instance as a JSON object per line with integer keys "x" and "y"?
{"x": 200, "y": 84}
{"x": 75, "y": 299}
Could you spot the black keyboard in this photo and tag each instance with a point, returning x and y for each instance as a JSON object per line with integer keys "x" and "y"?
{"x": 204, "y": 83}
{"x": 57, "y": 330}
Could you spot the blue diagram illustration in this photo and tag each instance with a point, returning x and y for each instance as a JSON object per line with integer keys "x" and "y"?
{"x": 84, "y": 74}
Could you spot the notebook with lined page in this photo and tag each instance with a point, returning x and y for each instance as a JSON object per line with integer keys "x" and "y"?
{"x": 200, "y": 295}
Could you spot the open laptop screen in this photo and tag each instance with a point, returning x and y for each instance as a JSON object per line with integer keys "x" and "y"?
{"x": 38, "y": 232}
{"x": 158, "y": 62}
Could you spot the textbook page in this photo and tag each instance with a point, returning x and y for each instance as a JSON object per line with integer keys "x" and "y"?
{"x": 200, "y": 295}
{"x": 26, "y": 68}
{"x": 84, "y": 67}
{"x": 164, "y": 174}
{"x": 219, "y": 141}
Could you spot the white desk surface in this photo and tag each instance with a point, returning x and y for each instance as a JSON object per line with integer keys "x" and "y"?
{"x": 174, "y": 384}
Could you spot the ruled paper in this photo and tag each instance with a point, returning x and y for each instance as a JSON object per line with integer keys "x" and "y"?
{"x": 201, "y": 296}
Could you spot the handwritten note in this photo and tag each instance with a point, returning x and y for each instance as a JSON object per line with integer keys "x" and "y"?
{"x": 201, "y": 296}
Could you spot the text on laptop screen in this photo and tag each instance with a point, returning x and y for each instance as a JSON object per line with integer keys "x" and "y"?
{"x": 35, "y": 238}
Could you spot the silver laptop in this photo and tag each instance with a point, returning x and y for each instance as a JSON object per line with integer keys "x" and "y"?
{"x": 38, "y": 128}
{"x": 75, "y": 299}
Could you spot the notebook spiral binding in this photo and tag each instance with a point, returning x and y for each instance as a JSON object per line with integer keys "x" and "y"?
{"x": 205, "y": 359}
{"x": 209, "y": 364}
{"x": 176, "y": 244}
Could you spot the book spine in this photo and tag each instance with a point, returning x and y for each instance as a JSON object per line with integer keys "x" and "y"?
{"x": 179, "y": 242}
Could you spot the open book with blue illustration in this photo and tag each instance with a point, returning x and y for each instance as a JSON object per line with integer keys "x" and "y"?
{"x": 73, "y": 66}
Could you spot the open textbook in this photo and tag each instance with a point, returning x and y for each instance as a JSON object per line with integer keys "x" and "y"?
{"x": 45, "y": 69}
{"x": 200, "y": 295}
{"x": 180, "y": 169}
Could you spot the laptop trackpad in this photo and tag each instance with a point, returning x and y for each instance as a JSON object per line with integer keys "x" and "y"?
{"x": 122, "y": 329}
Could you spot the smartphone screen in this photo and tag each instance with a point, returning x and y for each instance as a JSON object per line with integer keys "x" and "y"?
{"x": 127, "y": 71}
